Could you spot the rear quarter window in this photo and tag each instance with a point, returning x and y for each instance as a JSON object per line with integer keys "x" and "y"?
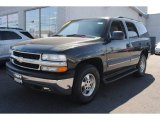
{"x": 27, "y": 34}
{"x": 141, "y": 28}
{"x": 132, "y": 30}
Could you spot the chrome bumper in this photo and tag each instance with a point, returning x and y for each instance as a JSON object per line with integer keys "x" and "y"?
{"x": 63, "y": 86}
{"x": 56, "y": 83}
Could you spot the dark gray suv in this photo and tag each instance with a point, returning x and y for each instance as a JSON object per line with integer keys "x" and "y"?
{"x": 83, "y": 54}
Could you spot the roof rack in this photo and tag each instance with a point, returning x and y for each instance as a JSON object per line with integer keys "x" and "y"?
{"x": 126, "y": 18}
{"x": 10, "y": 28}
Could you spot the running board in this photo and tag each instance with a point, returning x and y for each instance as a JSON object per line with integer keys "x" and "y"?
{"x": 118, "y": 76}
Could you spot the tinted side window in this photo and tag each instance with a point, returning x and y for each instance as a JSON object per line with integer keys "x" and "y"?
{"x": 141, "y": 28}
{"x": 117, "y": 26}
{"x": 27, "y": 34}
{"x": 132, "y": 31}
{"x": 8, "y": 35}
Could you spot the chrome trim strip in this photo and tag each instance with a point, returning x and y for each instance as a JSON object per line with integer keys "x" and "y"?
{"x": 23, "y": 66}
{"x": 135, "y": 58}
{"x": 39, "y": 62}
{"x": 28, "y": 53}
{"x": 118, "y": 63}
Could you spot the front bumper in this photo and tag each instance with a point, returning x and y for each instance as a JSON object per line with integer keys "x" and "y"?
{"x": 60, "y": 83}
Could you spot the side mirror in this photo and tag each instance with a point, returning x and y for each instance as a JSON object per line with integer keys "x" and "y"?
{"x": 118, "y": 35}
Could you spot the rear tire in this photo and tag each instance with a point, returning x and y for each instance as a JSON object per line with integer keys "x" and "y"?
{"x": 86, "y": 83}
{"x": 141, "y": 66}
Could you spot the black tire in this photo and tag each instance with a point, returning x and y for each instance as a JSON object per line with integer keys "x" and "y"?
{"x": 141, "y": 72}
{"x": 81, "y": 73}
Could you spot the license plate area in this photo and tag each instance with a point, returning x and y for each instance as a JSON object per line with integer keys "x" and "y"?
{"x": 18, "y": 78}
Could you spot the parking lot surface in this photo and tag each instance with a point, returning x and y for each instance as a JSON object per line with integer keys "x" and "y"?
{"x": 128, "y": 95}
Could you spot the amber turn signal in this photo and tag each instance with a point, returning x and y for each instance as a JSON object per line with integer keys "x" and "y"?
{"x": 61, "y": 69}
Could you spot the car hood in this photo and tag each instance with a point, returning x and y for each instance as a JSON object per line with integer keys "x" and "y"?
{"x": 57, "y": 44}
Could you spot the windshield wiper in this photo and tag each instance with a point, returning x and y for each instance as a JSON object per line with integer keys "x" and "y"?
{"x": 78, "y": 35}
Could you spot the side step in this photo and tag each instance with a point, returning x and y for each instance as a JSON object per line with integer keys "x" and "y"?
{"x": 117, "y": 76}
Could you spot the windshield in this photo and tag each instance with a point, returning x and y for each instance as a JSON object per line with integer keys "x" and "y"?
{"x": 81, "y": 28}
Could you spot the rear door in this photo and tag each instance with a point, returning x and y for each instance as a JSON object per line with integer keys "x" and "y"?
{"x": 8, "y": 38}
{"x": 118, "y": 56}
{"x": 136, "y": 40}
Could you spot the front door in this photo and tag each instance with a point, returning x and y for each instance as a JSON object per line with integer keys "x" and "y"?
{"x": 117, "y": 50}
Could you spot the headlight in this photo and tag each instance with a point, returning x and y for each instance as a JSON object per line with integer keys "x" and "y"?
{"x": 51, "y": 57}
{"x": 59, "y": 60}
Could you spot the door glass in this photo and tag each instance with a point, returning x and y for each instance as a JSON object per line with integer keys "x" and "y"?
{"x": 32, "y": 22}
{"x": 117, "y": 26}
{"x": 141, "y": 28}
{"x": 8, "y": 35}
{"x": 132, "y": 31}
{"x": 27, "y": 34}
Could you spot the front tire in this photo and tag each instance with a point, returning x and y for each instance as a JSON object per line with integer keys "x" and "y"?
{"x": 141, "y": 66}
{"x": 86, "y": 83}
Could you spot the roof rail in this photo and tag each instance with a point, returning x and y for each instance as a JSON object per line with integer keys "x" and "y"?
{"x": 10, "y": 28}
{"x": 126, "y": 18}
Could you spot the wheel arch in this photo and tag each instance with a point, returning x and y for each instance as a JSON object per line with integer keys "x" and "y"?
{"x": 97, "y": 62}
{"x": 145, "y": 52}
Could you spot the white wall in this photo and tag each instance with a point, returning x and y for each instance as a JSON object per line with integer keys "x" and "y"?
{"x": 153, "y": 25}
{"x": 144, "y": 9}
{"x": 91, "y": 12}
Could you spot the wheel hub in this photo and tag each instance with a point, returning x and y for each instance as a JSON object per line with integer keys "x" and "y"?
{"x": 88, "y": 85}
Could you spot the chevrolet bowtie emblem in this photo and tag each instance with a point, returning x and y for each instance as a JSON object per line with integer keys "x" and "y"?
{"x": 20, "y": 59}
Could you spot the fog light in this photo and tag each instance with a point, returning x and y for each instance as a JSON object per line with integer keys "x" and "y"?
{"x": 53, "y": 69}
{"x": 46, "y": 68}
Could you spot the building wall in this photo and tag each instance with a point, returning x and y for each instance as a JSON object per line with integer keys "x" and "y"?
{"x": 91, "y": 12}
{"x": 153, "y": 26}
{"x": 68, "y": 13}
{"x": 143, "y": 9}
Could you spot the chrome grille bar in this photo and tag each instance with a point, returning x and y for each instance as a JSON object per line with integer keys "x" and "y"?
{"x": 39, "y": 62}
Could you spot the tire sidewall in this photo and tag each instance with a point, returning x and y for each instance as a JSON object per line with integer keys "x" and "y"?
{"x": 139, "y": 69}
{"x": 81, "y": 73}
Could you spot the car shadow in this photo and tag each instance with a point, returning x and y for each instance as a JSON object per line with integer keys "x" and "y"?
{"x": 17, "y": 99}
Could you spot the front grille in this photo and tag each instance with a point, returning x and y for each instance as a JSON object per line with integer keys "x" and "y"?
{"x": 27, "y": 55}
{"x": 25, "y": 65}
{"x": 18, "y": 59}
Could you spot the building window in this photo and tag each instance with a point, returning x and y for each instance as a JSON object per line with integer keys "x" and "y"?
{"x": 3, "y": 21}
{"x": 41, "y": 22}
{"x": 13, "y": 20}
{"x": 48, "y": 21}
{"x": 32, "y": 23}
